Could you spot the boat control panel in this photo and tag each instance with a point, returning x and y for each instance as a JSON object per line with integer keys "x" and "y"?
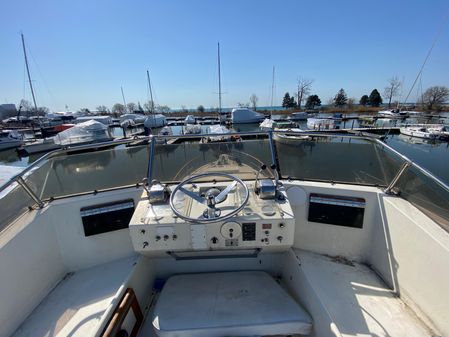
{"x": 262, "y": 224}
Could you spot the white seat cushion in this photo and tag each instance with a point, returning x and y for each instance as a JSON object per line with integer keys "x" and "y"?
{"x": 227, "y": 304}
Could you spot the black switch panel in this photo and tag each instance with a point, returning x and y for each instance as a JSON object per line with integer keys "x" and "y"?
{"x": 249, "y": 231}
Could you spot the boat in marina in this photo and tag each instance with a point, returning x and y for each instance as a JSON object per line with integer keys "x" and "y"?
{"x": 162, "y": 135}
{"x": 83, "y": 133}
{"x": 298, "y": 116}
{"x": 106, "y": 120}
{"x": 441, "y": 131}
{"x": 289, "y": 136}
{"x": 245, "y": 116}
{"x": 155, "y": 121}
{"x": 393, "y": 113}
{"x": 225, "y": 239}
{"x": 269, "y": 124}
{"x": 216, "y": 133}
{"x": 10, "y": 139}
{"x": 418, "y": 131}
{"x": 190, "y": 129}
{"x": 322, "y": 124}
{"x": 190, "y": 119}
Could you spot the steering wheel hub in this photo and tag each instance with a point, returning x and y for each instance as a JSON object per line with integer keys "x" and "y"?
{"x": 211, "y": 198}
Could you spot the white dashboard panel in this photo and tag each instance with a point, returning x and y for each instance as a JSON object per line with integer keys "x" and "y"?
{"x": 262, "y": 224}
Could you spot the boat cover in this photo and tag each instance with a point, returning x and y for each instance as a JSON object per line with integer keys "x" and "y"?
{"x": 85, "y": 132}
{"x": 218, "y": 129}
{"x": 155, "y": 121}
{"x": 137, "y": 118}
{"x": 244, "y": 115}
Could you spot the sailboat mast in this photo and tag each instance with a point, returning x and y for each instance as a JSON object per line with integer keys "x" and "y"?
{"x": 151, "y": 92}
{"x": 124, "y": 101}
{"x": 219, "y": 82}
{"x": 272, "y": 92}
{"x": 28, "y": 72}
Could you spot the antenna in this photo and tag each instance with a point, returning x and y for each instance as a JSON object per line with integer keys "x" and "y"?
{"x": 219, "y": 83}
{"x": 151, "y": 92}
{"x": 123, "y": 96}
{"x": 272, "y": 92}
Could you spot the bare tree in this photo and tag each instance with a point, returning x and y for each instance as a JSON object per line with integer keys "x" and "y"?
{"x": 435, "y": 96}
{"x": 304, "y": 87}
{"x": 102, "y": 109}
{"x": 162, "y": 109}
{"x": 392, "y": 89}
{"x": 253, "y": 99}
{"x": 351, "y": 102}
{"x": 242, "y": 105}
{"x": 131, "y": 107}
{"x": 149, "y": 106}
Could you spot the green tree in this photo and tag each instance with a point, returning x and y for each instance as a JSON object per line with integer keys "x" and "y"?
{"x": 313, "y": 101}
{"x": 286, "y": 100}
{"x": 340, "y": 98}
{"x": 374, "y": 98}
{"x": 200, "y": 109}
{"x": 292, "y": 103}
{"x": 364, "y": 100}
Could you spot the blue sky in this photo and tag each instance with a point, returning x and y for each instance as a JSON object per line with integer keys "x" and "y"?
{"x": 82, "y": 52}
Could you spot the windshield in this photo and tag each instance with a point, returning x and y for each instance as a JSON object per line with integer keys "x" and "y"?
{"x": 314, "y": 157}
{"x": 175, "y": 162}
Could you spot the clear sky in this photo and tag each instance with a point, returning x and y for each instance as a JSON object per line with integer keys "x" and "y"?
{"x": 83, "y": 51}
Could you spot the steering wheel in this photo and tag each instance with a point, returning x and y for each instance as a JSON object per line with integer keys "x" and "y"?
{"x": 213, "y": 197}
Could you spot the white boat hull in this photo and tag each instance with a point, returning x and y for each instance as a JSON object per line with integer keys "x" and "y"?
{"x": 415, "y": 132}
{"x": 9, "y": 144}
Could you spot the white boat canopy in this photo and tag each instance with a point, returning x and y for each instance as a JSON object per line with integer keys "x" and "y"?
{"x": 245, "y": 116}
{"x": 155, "y": 121}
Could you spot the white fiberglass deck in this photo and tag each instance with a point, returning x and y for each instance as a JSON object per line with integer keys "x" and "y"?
{"x": 357, "y": 302}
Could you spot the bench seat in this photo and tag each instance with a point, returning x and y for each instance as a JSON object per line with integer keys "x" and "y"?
{"x": 245, "y": 303}
{"x": 80, "y": 303}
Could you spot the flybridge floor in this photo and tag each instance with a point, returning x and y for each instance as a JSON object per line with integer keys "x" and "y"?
{"x": 355, "y": 299}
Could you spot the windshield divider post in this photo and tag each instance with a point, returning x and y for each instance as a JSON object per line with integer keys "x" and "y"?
{"x": 30, "y": 192}
{"x": 404, "y": 167}
{"x": 274, "y": 159}
{"x": 150, "y": 161}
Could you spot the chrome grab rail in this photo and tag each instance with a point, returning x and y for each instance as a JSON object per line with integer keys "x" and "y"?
{"x": 19, "y": 177}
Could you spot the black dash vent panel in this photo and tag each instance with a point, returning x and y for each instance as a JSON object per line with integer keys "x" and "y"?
{"x": 103, "y": 218}
{"x": 336, "y": 210}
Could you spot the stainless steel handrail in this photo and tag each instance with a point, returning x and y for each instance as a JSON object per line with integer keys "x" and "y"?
{"x": 58, "y": 152}
{"x": 412, "y": 163}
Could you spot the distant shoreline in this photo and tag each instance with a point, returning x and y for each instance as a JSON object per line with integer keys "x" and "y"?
{"x": 327, "y": 109}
